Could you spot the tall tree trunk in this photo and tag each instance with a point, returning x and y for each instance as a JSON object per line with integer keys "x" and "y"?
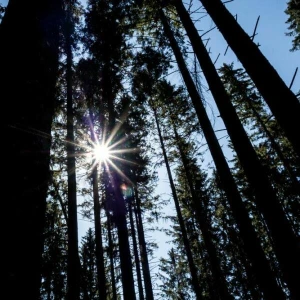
{"x": 240, "y": 260}
{"x": 248, "y": 234}
{"x": 119, "y": 204}
{"x": 276, "y": 147}
{"x": 73, "y": 276}
{"x": 219, "y": 279}
{"x": 281, "y": 100}
{"x": 135, "y": 251}
{"x": 101, "y": 279}
{"x": 186, "y": 243}
{"x": 27, "y": 90}
{"x": 267, "y": 202}
{"x": 111, "y": 257}
{"x": 143, "y": 248}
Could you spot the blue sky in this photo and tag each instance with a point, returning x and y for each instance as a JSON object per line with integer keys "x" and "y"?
{"x": 271, "y": 36}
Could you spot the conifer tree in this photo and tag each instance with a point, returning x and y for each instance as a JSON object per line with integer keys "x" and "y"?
{"x": 293, "y": 12}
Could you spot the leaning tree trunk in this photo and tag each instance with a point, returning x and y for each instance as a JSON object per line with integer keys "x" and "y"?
{"x": 27, "y": 90}
{"x": 252, "y": 244}
{"x": 217, "y": 278}
{"x": 276, "y": 147}
{"x": 266, "y": 200}
{"x": 73, "y": 276}
{"x": 281, "y": 100}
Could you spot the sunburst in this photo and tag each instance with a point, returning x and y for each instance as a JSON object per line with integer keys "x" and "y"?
{"x": 106, "y": 153}
{"x": 101, "y": 152}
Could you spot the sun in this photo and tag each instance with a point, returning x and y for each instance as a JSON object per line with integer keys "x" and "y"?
{"x": 101, "y": 153}
{"x": 107, "y": 151}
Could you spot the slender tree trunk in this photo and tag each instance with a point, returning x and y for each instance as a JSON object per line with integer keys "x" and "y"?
{"x": 248, "y": 234}
{"x": 186, "y": 243}
{"x": 136, "y": 254}
{"x": 267, "y": 202}
{"x": 179, "y": 294}
{"x": 276, "y": 147}
{"x": 281, "y": 100}
{"x": 101, "y": 279}
{"x": 27, "y": 83}
{"x": 73, "y": 276}
{"x": 143, "y": 248}
{"x": 111, "y": 257}
{"x": 240, "y": 260}
{"x": 219, "y": 279}
{"x": 119, "y": 205}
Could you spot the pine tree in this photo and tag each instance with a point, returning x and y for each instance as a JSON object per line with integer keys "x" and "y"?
{"x": 293, "y": 12}
{"x": 89, "y": 285}
{"x": 54, "y": 265}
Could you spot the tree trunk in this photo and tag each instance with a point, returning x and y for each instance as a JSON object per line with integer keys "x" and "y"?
{"x": 111, "y": 257}
{"x": 186, "y": 243}
{"x": 101, "y": 279}
{"x": 276, "y": 147}
{"x": 27, "y": 90}
{"x": 248, "y": 234}
{"x": 143, "y": 248}
{"x": 266, "y": 199}
{"x": 282, "y": 102}
{"x": 219, "y": 279}
{"x": 119, "y": 211}
{"x": 135, "y": 251}
{"x": 73, "y": 276}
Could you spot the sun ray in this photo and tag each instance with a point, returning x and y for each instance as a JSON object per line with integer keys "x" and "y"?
{"x": 127, "y": 150}
{"x": 118, "y": 125}
{"x": 120, "y": 141}
{"x": 120, "y": 172}
{"x": 124, "y": 160}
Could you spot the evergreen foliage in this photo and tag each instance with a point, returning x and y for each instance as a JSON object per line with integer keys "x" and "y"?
{"x": 293, "y": 12}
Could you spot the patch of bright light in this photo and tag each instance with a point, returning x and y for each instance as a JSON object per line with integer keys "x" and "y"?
{"x": 101, "y": 152}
